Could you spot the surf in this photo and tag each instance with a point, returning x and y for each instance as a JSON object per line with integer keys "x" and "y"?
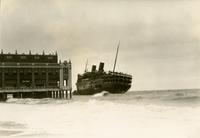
{"x": 101, "y": 94}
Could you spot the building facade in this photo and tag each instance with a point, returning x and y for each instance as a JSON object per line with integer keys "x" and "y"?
{"x": 34, "y": 71}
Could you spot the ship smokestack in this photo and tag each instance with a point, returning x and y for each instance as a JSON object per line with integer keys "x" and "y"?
{"x": 93, "y": 68}
{"x": 101, "y": 66}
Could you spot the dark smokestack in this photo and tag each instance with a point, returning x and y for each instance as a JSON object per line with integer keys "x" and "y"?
{"x": 93, "y": 68}
{"x": 101, "y": 66}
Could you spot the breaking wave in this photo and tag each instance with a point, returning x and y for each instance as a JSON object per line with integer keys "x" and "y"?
{"x": 168, "y": 96}
{"x": 30, "y": 101}
{"x": 101, "y": 94}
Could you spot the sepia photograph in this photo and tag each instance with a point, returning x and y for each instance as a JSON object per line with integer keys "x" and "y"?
{"x": 99, "y": 69}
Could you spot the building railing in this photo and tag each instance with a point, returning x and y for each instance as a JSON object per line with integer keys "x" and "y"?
{"x": 37, "y": 87}
{"x": 32, "y": 65}
{"x": 32, "y": 89}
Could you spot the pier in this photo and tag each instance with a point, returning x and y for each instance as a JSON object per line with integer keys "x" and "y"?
{"x": 36, "y": 93}
{"x": 34, "y": 76}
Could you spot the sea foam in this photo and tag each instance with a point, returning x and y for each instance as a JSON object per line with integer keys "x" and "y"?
{"x": 113, "y": 116}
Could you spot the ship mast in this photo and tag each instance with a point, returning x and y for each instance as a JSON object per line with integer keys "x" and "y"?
{"x": 86, "y": 66}
{"x": 116, "y": 57}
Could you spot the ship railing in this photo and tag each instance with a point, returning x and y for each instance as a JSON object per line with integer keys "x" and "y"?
{"x": 119, "y": 73}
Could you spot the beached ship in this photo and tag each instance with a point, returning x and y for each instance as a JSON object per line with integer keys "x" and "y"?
{"x": 97, "y": 81}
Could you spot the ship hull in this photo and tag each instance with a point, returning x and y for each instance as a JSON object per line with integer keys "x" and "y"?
{"x": 94, "y": 82}
{"x": 116, "y": 88}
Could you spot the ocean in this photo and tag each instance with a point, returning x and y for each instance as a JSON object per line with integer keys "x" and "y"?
{"x": 144, "y": 114}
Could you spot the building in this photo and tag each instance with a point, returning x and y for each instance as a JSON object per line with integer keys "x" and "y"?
{"x": 21, "y": 74}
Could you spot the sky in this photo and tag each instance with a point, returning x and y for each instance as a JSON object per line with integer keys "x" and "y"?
{"x": 159, "y": 39}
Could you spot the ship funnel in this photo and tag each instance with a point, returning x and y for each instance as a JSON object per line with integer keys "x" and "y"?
{"x": 101, "y": 66}
{"x": 93, "y": 68}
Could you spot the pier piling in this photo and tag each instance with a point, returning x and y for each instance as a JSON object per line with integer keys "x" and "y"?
{"x": 70, "y": 94}
{"x": 16, "y": 95}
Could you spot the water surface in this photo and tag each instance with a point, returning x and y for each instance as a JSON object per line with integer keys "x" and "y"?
{"x": 148, "y": 114}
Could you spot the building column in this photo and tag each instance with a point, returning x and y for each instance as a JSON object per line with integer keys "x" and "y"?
{"x": 18, "y": 78}
{"x": 3, "y": 78}
{"x": 47, "y": 78}
{"x": 33, "y": 79}
{"x": 61, "y": 77}
{"x": 69, "y": 80}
